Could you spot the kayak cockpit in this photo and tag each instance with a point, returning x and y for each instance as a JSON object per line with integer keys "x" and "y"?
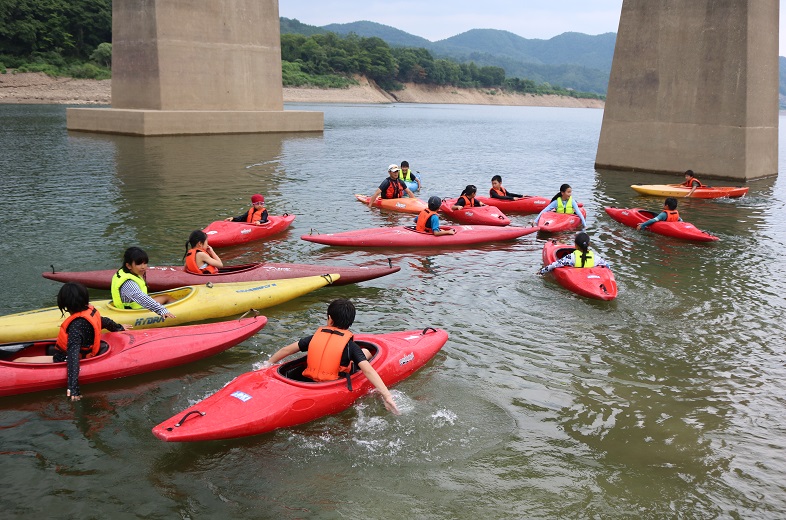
{"x": 293, "y": 370}
{"x": 10, "y": 352}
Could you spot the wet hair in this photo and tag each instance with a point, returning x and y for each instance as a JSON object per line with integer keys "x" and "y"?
{"x": 470, "y": 190}
{"x": 671, "y": 203}
{"x": 72, "y": 297}
{"x": 194, "y": 238}
{"x": 343, "y": 313}
{"x": 404, "y": 164}
{"x": 582, "y": 244}
{"x": 434, "y": 203}
{"x": 562, "y": 189}
{"x": 497, "y": 178}
{"x": 689, "y": 172}
{"x": 134, "y": 255}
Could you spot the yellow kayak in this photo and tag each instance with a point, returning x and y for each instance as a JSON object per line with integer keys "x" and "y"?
{"x": 678, "y": 190}
{"x": 194, "y": 303}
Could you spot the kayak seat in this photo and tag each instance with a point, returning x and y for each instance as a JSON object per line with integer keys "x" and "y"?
{"x": 52, "y": 349}
{"x": 294, "y": 369}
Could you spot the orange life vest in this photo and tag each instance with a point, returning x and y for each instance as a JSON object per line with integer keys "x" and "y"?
{"x": 324, "y": 354}
{"x": 672, "y": 216}
{"x": 423, "y": 218}
{"x": 254, "y": 214}
{"x": 394, "y": 189}
{"x": 191, "y": 265}
{"x": 502, "y": 192}
{"x": 690, "y": 181}
{"x": 91, "y": 315}
{"x": 467, "y": 202}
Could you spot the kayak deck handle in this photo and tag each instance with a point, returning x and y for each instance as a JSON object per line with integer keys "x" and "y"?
{"x": 182, "y": 420}
{"x": 53, "y": 268}
{"x": 328, "y": 278}
{"x": 249, "y": 311}
{"x": 427, "y": 329}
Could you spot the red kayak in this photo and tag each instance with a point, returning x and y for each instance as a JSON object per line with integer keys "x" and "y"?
{"x": 164, "y": 278}
{"x": 402, "y": 205}
{"x": 122, "y": 354}
{"x": 224, "y": 234}
{"x": 406, "y": 236}
{"x": 684, "y": 230}
{"x": 482, "y": 215}
{"x": 279, "y": 396}
{"x": 526, "y": 204}
{"x": 592, "y": 282}
{"x": 553, "y": 222}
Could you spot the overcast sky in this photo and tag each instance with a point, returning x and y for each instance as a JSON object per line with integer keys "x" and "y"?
{"x": 440, "y": 19}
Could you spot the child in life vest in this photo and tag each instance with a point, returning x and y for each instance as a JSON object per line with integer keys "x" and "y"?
{"x": 563, "y": 202}
{"x": 691, "y": 182}
{"x": 669, "y": 214}
{"x": 427, "y": 220}
{"x": 498, "y": 192}
{"x": 406, "y": 175}
{"x": 583, "y": 256}
{"x": 200, "y": 257}
{"x": 79, "y": 337}
{"x": 129, "y": 290}
{"x": 257, "y": 214}
{"x": 467, "y": 199}
{"x": 323, "y": 360}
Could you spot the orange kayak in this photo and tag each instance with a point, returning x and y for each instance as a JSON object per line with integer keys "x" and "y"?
{"x": 403, "y": 205}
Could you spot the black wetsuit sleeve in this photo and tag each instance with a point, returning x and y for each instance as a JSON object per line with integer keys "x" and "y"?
{"x": 110, "y": 325}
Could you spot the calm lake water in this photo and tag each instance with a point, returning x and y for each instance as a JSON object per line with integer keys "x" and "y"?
{"x": 666, "y": 403}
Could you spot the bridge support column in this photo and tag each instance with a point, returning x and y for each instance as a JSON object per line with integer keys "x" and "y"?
{"x": 694, "y": 85}
{"x": 184, "y": 67}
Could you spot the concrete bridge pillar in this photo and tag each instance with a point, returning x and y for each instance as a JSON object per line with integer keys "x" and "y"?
{"x": 694, "y": 85}
{"x": 195, "y": 67}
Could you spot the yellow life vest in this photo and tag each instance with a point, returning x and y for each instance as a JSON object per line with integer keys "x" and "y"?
{"x": 566, "y": 207}
{"x": 118, "y": 280}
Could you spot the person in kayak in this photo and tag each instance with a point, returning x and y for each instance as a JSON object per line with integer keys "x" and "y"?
{"x": 583, "y": 256}
{"x": 257, "y": 214}
{"x": 498, "y": 192}
{"x": 79, "y": 336}
{"x": 427, "y": 220}
{"x": 691, "y": 182}
{"x": 563, "y": 202}
{"x": 467, "y": 199}
{"x": 392, "y": 187}
{"x": 669, "y": 214}
{"x": 332, "y": 353}
{"x": 129, "y": 290}
{"x": 406, "y": 175}
{"x": 200, "y": 257}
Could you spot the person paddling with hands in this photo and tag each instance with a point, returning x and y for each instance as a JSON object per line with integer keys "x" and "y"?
{"x": 79, "y": 336}
{"x": 583, "y": 256}
{"x": 257, "y": 214}
{"x": 129, "y": 290}
{"x": 497, "y": 191}
{"x": 563, "y": 202}
{"x": 427, "y": 220}
{"x": 669, "y": 214}
{"x": 391, "y": 188}
{"x": 691, "y": 182}
{"x": 200, "y": 257}
{"x": 332, "y": 353}
{"x": 467, "y": 199}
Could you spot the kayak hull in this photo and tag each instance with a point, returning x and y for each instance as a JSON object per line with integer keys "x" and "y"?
{"x": 481, "y": 215}
{"x": 595, "y": 282}
{"x": 162, "y": 278}
{"x": 705, "y": 192}
{"x": 402, "y": 205}
{"x": 129, "y": 353}
{"x": 225, "y": 234}
{"x": 267, "y": 399}
{"x": 194, "y": 303}
{"x": 406, "y": 236}
{"x": 527, "y": 204}
{"x": 684, "y": 230}
{"x": 553, "y": 222}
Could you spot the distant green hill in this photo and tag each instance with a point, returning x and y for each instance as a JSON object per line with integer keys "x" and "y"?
{"x": 391, "y": 35}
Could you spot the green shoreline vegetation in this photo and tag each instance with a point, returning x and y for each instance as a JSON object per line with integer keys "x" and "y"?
{"x": 71, "y": 38}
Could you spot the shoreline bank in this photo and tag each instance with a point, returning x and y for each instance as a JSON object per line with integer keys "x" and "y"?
{"x": 38, "y": 88}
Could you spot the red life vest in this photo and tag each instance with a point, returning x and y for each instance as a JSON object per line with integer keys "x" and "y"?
{"x": 467, "y": 202}
{"x": 254, "y": 214}
{"x": 91, "y": 315}
{"x": 324, "y": 354}
{"x": 423, "y": 218}
{"x": 672, "y": 216}
{"x": 690, "y": 181}
{"x": 191, "y": 265}
{"x": 394, "y": 189}
{"x": 502, "y": 192}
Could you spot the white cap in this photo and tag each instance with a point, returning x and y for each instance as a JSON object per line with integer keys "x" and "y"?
{"x": 393, "y": 168}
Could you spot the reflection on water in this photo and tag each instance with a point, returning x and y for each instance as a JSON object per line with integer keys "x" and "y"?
{"x": 662, "y": 403}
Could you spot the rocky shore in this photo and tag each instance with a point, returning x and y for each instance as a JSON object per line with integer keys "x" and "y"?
{"x": 39, "y": 88}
